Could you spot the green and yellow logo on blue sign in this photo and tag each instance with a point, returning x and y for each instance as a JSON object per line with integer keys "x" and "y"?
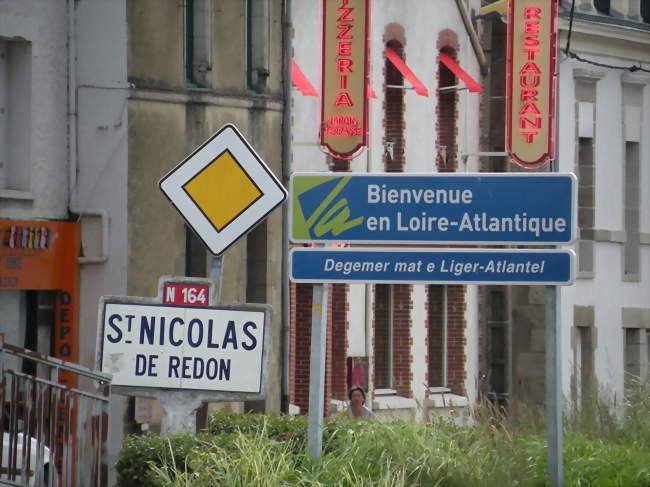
{"x": 321, "y": 208}
{"x": 433, "y": 208}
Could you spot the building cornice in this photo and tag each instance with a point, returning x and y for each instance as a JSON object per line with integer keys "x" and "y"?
{"x": 596, "y": 26}
{"x": 207, "y": 97}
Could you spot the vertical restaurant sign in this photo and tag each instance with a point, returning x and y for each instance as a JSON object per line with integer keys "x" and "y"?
{"x": 344, "y": 104}
{"x": 531, "y": 81}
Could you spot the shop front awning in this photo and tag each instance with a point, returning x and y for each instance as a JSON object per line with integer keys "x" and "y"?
{"x": 301, "y": 82}
{"x": 460, "y": 73}
{"x": 401, "y": 66}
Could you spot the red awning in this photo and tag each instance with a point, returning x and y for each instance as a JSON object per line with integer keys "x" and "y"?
{"x": 301, "y": 82}
{"x": 453, "y": 66}
{"x": 397, "y": 61}
{"x": 370, "y": 93}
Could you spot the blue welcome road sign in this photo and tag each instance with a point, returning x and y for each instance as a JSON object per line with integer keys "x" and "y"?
{"x": 482, "y": 208}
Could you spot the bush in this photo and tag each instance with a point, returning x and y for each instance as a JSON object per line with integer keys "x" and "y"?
{"x": 248, "y": 449}
{"x": 140, "y": 453}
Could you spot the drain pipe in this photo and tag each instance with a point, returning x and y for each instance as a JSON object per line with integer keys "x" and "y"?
{"x": 287, "y": 36}
{"x": 473, "y": 36}
{"x": 367, "y": 312}
{"x": 72, "y": 144}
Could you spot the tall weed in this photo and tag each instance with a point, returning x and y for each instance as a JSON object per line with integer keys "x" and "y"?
{"x": 501, "y": 448}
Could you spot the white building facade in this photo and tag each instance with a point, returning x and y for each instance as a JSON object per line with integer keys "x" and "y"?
{"x": 604, "y": 137}
{"x": 63, "y": 160}
{"x": 415, "y": 347}
{"x": 603, "y": 134}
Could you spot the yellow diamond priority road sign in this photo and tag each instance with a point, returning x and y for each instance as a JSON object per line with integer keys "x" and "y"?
{"x": 223, "y": 189}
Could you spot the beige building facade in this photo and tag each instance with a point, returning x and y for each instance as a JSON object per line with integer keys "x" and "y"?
{"x": 195, "y": 66}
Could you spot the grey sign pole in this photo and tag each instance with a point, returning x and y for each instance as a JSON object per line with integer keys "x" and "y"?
{"x": 552, "y": 322}
{"x": 317, "y": 371}
{"x": 554, "y": 403}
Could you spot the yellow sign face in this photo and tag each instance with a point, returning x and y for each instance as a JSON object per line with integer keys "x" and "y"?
{"x": 223, "y": 190}
{"x": 530, "y": 107}
{"x": 344, "y": 102}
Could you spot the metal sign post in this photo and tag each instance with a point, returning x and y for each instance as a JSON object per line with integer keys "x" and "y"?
{"x": 317, "y": 371}
{"x": 554, "y": 403}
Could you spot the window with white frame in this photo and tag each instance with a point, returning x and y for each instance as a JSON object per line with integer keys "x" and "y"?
{"x": 632, "y": 102}
{"x": 257, "y": 45}
{"x": 197, "y": 33}
{"x": 585, "y": 94}
{"x": 15, "y": 114}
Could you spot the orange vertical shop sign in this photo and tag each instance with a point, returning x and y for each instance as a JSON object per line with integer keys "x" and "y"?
{"x": 344, "y": 104}
{"x": 531, "y": 81}
{"x": 43, "y": 255}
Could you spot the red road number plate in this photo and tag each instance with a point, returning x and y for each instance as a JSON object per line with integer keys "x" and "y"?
{"x": 185, "y": 295}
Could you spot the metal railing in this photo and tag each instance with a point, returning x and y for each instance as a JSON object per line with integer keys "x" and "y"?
{"x": 52, "y": 434}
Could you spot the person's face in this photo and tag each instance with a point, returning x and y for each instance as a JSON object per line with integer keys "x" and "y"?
{"x": 356, "y": 398}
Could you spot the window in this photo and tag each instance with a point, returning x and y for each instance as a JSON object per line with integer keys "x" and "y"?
{"x": 632, "y": 101}
{"x": 584, "y": 365}
{"x": 394, "y": 113}
{"x": 383, "y": 355}
{"x": 498, "y": 341}
{"x": 437, "y": 333}
{"x": 197, "y": 30}
{"x": 586, "y": 204}
{"x": 632, "y": 189}
{"x": 645, "y": 11}
{"x": 15, "y": 119}
{"x": 447, "y": 100}
{"x": 29, "y": 324}
{"x": 635, "y": 356}
{"x": 602, "y": 6}
{"x": 195, "y": 255}
{"x": 257, "y": 45}
{"x": 586, "y": 172}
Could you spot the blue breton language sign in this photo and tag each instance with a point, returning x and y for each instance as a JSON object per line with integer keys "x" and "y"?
{"x": 481, "y": 208}
{"x": 433, "y": 266}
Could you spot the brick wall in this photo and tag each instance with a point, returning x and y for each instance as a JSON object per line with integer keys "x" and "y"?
{"x": 301, "y": 312}
{"x": 301, "y": 338}
{"x": 292, "y": 342}
{"x": 339, "y": 341}
{"x": 327, "y": 396}
{"x": 338, "y": 165}
{"x": 380, "y": 376}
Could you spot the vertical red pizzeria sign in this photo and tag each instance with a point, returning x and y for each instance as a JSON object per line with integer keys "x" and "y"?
{"x": 531, "y": 81}
{"x": 344, "y": 104}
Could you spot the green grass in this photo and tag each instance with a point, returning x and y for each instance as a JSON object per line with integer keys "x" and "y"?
{"x": 242, "y": 450}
